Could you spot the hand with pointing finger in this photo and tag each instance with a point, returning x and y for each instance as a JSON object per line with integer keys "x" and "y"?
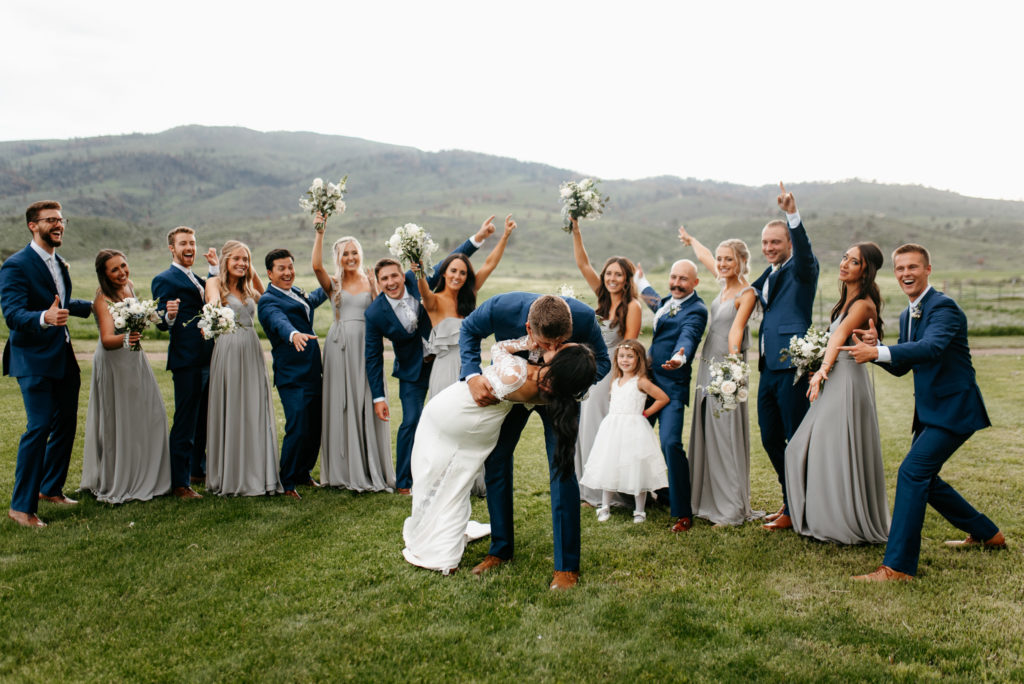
{"x": 860, "y": 350}
{"x": 510, "y": 225}
{"x": 869, "y": 336}
{"x": 299, "y": 340}
{"x": 56, "y": 315}
{"x": 486, "y": 230}
{"x": 785, "y": 199}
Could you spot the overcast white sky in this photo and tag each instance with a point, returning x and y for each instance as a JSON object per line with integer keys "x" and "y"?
{"x": 749, "y": 92}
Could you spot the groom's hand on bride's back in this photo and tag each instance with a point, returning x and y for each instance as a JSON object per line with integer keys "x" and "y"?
{"x": 481, "y": 391}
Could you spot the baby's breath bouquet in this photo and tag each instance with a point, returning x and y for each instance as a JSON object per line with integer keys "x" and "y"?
{"x": 215, "y": 321}
{"x": 580, "y": 201}
{"x": 728, "y": 384}
{"x": 412, "y": 245}
{"x": 806, "y": 353}
{"x": 324, "y": 198}
{"x": 133, "y": 315}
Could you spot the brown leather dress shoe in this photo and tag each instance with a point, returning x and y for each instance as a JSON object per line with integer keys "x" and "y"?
{"x": 25, "y": 519}
{"x": 59, "y": 499}
{"x": 682, "y": 525}
{"x": 404, "y": 491}
{"x": 565, "y": 579}
{"x": 186, "y": 493}
{"x": 292, "y": 493}
{"x": 884, "y": 574}
{"x": 783, "y": 522}
{"x": 312, "y": 483}
{"x": 774, "y": 516}
{"x": 997, "y": 542}
{"x": 488, "y": 563}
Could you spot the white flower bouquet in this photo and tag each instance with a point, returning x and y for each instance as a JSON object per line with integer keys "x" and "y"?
{"x": 806, "y": 353}
{"x": 215, "y": 321}
{"x": 324, "y": 198}
{"x": 133, "y": 315}
{"x": 580, "y": 201}
{"x": 412, "y": 245}
{"x": 729, "y": 381}
{"x": 566, "y": 290}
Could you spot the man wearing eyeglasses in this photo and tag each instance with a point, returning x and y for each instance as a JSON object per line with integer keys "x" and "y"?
{"x": 35, "y": 295}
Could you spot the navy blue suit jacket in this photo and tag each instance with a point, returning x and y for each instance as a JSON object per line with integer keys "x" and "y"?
{"x": 504, "y": 316}
{"x": 946, "y": 394}
{"x": 672, "y": 333}
{"x": 382, "y": 322}
{"x": 791, "y": 291}
{"x": 26, "y": 291}
{"x": 187, "y": 347}
{"x": 280, "y": 315}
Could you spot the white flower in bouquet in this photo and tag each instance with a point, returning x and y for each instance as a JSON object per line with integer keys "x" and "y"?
{"x": 728, "y": 383}
{"x": 214, "y": 321}
{"x": 565, "y": 290}
{"x": 580, "y": 200}
{"x": 411, "y": 244}
{"x": 133, "y": 315}
{"x": 805, "y": 353}
{"x": 326, "y": 199}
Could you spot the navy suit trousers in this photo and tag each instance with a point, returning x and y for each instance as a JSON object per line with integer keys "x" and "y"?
{"x": 303, "y": 419}
{"x": 918, "y": 484}
{"x": 44, "y": 452}
{"x": 187, "y": 437}
{"x": 670, "y": 433}
{"x": 781, "y": 406}
{"x": 412, "y": 394}
{"x": 565, "y": 494}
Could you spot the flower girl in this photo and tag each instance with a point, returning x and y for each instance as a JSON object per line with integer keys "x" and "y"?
{"x": 626, "y": 457}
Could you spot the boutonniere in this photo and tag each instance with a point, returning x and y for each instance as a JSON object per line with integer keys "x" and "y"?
{"x": 674, "y": 309}
{"x": 915, "y": 311}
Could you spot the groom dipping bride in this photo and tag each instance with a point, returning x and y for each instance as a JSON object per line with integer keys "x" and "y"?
{"x": 482, "y": 418}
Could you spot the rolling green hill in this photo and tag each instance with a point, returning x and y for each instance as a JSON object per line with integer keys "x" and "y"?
{"x": 127, "y": 191}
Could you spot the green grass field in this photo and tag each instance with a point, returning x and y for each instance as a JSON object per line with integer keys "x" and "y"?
{"x": 273, "y": 589}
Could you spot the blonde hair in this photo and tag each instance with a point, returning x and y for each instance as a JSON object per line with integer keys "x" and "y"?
{"x": 246, "y": 285}
{"x": 740, "y": 252}
{"x": 339, "y": 271}
{"x": 639, "y": 351}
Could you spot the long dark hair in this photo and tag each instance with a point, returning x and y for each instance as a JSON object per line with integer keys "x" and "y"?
{"x": 570, "y": 373}
{"x": 871, "y": 258}
{"x": 465, "y": 302}
{"x": 108, "y": 289}
{"x": 604, "y": 298}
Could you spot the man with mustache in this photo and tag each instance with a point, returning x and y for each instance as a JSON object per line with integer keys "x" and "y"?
{"x": 35, "y": 294}
{"x": 679, "y": 322}
{"x": 181, "y": 295}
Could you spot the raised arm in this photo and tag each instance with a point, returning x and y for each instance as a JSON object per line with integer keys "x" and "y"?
{"x": 702, "y": 253}
{"x": 804, "y": 261}
{"x": 744, "y": 308}
{"x": 317, "y": 258}
{"x": 583, "y": 260}
{"x": 257, "y": 284}
{"x": 213, "y": 290}
{"x": 427, "y": 295}
{"x": 495, "y": 256}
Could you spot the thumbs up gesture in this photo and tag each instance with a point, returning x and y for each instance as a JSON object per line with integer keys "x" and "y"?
{"x": 56, "y": 315}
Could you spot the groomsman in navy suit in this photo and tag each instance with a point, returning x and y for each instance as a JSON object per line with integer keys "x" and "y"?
{"x": 286, "y": 314}
{"x": 786, "y": 290}
{"x": 35, "y": 294}
{"x": 551, "y": 322}
{"x": 181, "y": 295}
{"x": 948, "y": 409}
{"x": 400, "y": 317}
{"x": 679, "y": 322}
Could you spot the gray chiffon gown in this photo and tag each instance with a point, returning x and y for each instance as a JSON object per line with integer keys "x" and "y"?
{"x": 720, "y": 445}
{"x": 593, "y": 409}
{"x": 834, "y": 476}
{"x": 355, "y": 445}
{"x": 241, "y": 432}
{"x": 443, "y": 343}
{"x": 126, "y": 456}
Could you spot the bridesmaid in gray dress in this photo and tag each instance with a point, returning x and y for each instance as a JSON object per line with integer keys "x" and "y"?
{"x": 355, "y": 445}
{"x": 126, "y": 456}
{"x": 720, "y": 445}
{"x": 834, "y": 475}
{"x": 241, "y": 441}
{"x": 620, "y": 316}
{"x": 452, "y": 299}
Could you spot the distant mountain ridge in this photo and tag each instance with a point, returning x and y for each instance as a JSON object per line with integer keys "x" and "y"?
{"x": 235, "y": 182}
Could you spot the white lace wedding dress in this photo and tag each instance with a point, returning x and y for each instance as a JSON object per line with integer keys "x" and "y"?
{"x": 453, "y": 439}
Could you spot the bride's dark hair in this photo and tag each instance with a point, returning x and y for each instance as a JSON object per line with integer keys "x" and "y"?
{"x": 570, "y": 374}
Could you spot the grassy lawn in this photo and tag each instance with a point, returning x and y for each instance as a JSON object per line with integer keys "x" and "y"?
{"x": 272, "y": 589}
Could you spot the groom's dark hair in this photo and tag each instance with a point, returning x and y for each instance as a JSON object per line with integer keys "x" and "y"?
{"x": 550, "y": 317}
{"x": 275, "y": 254}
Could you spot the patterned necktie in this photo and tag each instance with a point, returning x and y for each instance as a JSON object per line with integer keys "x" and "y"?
{"x": 405, "y": 315}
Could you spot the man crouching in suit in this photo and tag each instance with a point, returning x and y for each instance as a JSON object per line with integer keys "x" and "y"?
{"x": 948, "y": 409}
{"x": 35, "y": 295}
{"x": 286, "y": 314}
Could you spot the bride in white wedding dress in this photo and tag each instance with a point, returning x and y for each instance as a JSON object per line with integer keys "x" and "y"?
{"x": 455, "y": 436}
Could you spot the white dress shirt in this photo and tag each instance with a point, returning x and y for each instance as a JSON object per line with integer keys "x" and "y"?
{"x": 884, "y": 355}
{"x": 58, "y": 280}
